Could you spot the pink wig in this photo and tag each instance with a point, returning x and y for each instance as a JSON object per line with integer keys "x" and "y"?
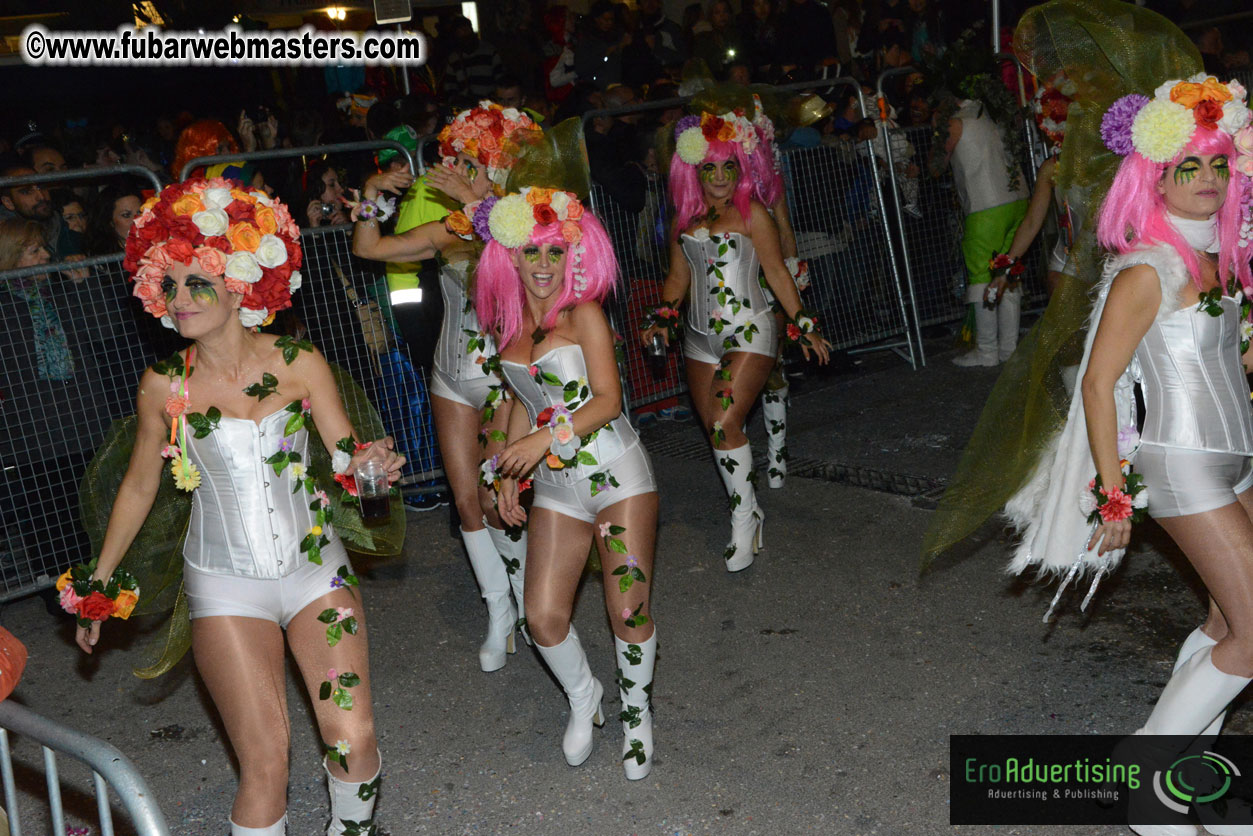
{"x": 685, "y": 191}
{"x": 498, "y": 293}
{"x": 766, "y": 177}
{"x": 1134, "y": 213}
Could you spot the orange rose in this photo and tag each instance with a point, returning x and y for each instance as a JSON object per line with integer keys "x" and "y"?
{"x": 1189, "y": 94}
{"x": 554, "y": 463}
{"x": 726, "y": 133}
{"x": 458, "y": 224}
{"x": 244, "y": 237}
{"x": 571, "y": 233}
{"x": 574, "y": 210}
{"x": 148, "y": 291}
{"x": 537, "y": 196}
{"x": 63, "y": 581}
{"x": 188, "y": 204}
{"x": 125, "y": 603}
{"x": 266, "y": 221}
{"x": 237, "y": 286}
{"x": 1213, "y": 90}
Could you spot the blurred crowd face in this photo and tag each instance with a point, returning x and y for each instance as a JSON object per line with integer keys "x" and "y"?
{"x": 761, "y": 9}
{"x": 720, "y": 15}
{"x": 125, "y": 210}
{"x": 332, "y": 190}
{"x": 31, "y": 201}
{"x": 34, "y": 252}
{"x": 604, "y": 21}
{"x": 75, "y": 216}
{"x": 45, "y": 160}
{"x": 509, "y": 96}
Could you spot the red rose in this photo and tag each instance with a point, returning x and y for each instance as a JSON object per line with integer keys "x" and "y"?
{"x": 153, "y": 231}
{"x": 180, "y": 250}
{"x": 294, "y": 257}
{"x": 544, "y": 215}
{"x": 219, "y": 242}
{"x": 710, "y": 128}
{"x": 793, "y": 332}
{"x": 182, "y": 227}
{"x": 544, "y": 417}
{"x": 97, "y": 607}
{"x": 1208, "y": 113}
{"x": 348, "y": 482}
{"x": 241, "y": 211}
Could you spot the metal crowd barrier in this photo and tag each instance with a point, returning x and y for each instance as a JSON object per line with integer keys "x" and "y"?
{"x": 49, "y": 429}
{"x": 304, "y": 151}
{"x": 110, "y": 770}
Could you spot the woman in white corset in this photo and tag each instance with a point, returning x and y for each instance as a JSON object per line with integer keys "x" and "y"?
{"x": 1172, "y": 316}
{"x": 214, "y": 260}
{"x": 465, "y": 387}
{"x": 541, "y": 280}
{"x": 723, "y": 240}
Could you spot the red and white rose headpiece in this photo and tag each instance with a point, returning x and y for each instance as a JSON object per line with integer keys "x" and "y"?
{"x": 242, "y": 234}
{"x": 489, "y": 134}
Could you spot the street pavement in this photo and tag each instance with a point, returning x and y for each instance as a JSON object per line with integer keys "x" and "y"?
{"x": 813, "y": 693}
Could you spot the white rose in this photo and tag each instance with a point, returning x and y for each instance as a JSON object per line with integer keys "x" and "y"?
{"x": 243, "y": 266}
{"x": 1163, "y": 91}
{"x": 1236, "y": 89}
{"x": 1087, "y": 502}
{"x": 701, "y": 234}
{"x": 296, "y": 281}
{"x": 262, "y": 198}
{"x": 1199, "y": 78}
{"x": 211, "y": 222}
{"x": 217, "y": 198}
{"x": 271, "y": 252}
{"x": 1140, "y": 500}
{"x": 511, "y": 114}
{"x": 560, "y": 202}
{"x": 1235, "y": 116}
{"x": 252, "y": 318}
{"x": 1246, "y": 330}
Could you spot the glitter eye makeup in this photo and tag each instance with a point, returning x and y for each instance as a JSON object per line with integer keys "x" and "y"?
{"x": 170, "y": 289}
{"x": 1221, "y": 168}
{"x": 531, "y": 254}
{"x": 472, "y": 172}
{"x": 203, "y": 293}
{"x": 1187, "y": 170}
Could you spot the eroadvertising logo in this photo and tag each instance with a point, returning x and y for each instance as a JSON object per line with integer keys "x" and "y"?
{"x": 1092, "y": 779}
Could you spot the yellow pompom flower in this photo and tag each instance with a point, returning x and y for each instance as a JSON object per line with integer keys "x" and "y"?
{"x": 511, "y": 221}
{"x": 186, "y": 475}
{"x": 692, "y": 146}
{"x": 1161, "y": 130}
{"x": 316, "y": 531}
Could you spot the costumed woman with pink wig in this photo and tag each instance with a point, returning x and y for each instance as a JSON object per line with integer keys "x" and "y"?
{"x": 723, "y": 238}
{"x": 262, "y": 558}
{"x": 546, "y": 269}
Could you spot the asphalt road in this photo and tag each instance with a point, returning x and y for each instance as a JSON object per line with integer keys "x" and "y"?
{"x": 812, "y": 693}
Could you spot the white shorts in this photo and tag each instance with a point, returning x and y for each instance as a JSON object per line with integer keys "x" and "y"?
{"x": 1182, "y": 482}
{"x": 633, "y": 472}
{"x": 470, "y": 392}
{"x": 711, "y": 348}
{"x": 209, "y": 593}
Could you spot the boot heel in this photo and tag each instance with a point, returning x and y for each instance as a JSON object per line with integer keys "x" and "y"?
{"x": 758, "y": 540}
{"x": 511, "y": 646}
{"x": 598, "y": 719}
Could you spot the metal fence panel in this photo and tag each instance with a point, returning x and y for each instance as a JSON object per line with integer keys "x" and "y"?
{"x": 52, "y": 419}
{"x": 110, "y": 769}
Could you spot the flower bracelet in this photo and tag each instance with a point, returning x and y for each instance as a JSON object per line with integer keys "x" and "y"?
{"x": 1013, "y": 267}
{"x": 799, "y": 268}
{"x": 91, "y": 599}
{"x": 664, "y": 315}
{"x": 803, "y": 324}
{"x": 1103, "y": 504}
{"x": 379, "y": 209}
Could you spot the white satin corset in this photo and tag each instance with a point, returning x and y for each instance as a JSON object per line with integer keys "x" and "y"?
{"x": 245, "y": 520}
{"x": 725, "y": 284}
{"x": 1196, "y": 395}
{"x": 563, "y": 366}
{"x": 454, "y": 355}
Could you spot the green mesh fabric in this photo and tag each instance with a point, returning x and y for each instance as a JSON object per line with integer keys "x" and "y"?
{"x": 555, "y": 159}
{"x": 155, "y": 557}
{"x": 1109, "y": 49}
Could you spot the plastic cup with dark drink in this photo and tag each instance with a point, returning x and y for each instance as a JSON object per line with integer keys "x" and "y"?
{"x": 374, "y": 493}
{"x": 656, "y": 352}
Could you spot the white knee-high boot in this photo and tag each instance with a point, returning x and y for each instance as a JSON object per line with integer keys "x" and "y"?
{"x": 1195, "y": 641}
{"x": 279, "y": 828}
{"x": 985, "y": 351}
{"x": 736, "y": 469}
{"x": 774, "y": 411}
{"x": 352, "y": 804}
{"x": 635, "y": 687}
{"x": 493, "y": 580}
{"x": 568, "y": 663}
{"x": 513, "y": 553}
{"x": 1008, "y": 320}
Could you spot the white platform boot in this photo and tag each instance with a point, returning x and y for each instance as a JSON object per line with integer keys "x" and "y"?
{"x": 736, "y": 469}
{"x": 1008, "y": 321}
{"x": 513, "y": 554}
{"x": 1192, "y": 700}
{"x": 568, "y": 663}
{"x": 635, "y": 687}
{"x": 774, "y": 411}
{"x": 986, "y": 347}
{"x": 279, "y": 828}
{"x": 352, "y": 804}
{"x": 493, "y": 579}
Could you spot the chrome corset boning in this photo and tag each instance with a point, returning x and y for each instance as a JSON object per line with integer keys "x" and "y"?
{"x": 453, "y": 355}
{"x": 245, "y": 520}
{"x": 740, "y": 268}
{"x": 1196, "y": 395}
{"x": 566, "y": 364}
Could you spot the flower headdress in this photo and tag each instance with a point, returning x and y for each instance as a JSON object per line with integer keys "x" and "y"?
{"x": 694, "y": 133}
{"x": 1052, "y": 105}
{"x": 488, "y": 133}
{"x": 244, "y": 235}
{"x": 511, "y": 220}
{"x": 1160, "y": 128}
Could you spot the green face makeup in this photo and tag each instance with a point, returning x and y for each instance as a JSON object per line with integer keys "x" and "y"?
{"x": 201, "y": 291}
{"x": 709, "y": 170}
{"x": 532, "y": 254}
{"x": 1187, "y": 170}
{"x": 472, "y": 172}
{"x": 1221, "y": 169}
